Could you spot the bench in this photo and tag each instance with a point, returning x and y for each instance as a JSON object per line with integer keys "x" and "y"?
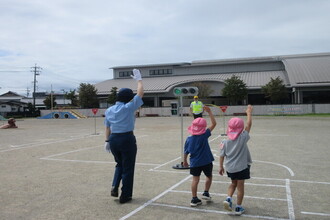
{"x": 239, "y": 114}
{"x": 152, "y": 115}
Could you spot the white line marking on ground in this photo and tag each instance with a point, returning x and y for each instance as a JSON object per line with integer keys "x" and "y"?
{"x": 263, "y": 178}
{"x": 289, "y": 198}
{"x": 278, "y": 164}
{"x": 225, "y": 195}
{"x": 86, "y": 161}
{"x": 171, "y": 171}
{"x": 165, "y": 164}
{"x": 154, "y": 199}
{"x": 94, "y": 161}
{"x": 247, "y": 183}
{"x": 215, "y": 211}
{"x": 68, "y": 152}
{"x": 312, "y": 182}
{"x": 44, "y": 143}
{"x": 315, "y": 213}
{"x": 214, "y": 138}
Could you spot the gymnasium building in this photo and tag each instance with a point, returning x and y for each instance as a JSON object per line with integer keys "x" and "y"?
{"x": 306, "y": 77}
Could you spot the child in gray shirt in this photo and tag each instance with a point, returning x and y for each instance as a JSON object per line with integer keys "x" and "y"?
{"x": 238, "y": 159}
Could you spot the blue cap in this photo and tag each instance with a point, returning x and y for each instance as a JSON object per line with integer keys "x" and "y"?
{"x": 125, "y": 95}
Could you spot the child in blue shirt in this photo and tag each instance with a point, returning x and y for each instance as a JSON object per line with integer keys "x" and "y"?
{"x": 201, "y": 157}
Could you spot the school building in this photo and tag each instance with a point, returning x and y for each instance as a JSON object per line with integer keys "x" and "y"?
{"x": 306, "y": 77}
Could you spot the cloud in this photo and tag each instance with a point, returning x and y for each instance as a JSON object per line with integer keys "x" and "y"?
{"x": 78, "y": 41}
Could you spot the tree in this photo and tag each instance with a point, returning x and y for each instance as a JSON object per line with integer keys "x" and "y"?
{"x": 275, "y": 91}
{"x": 235, "y": 90}
{"x": 48, "y": 101}
{"x": 112, "y": 96}
{"x": 88, "y": 96}
{"x": 72, "y": 96}
{"x": 204, "y": 90}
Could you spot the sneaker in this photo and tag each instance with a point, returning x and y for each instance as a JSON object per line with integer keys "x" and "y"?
{"x": 195, "y": 202}
{"x": 114, "y": 192}
{"x": 206, "y": 196}
{"x": 227, "y": 204}
{"x": 239, "y": 210}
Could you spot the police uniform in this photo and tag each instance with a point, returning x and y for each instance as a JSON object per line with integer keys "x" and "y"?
{"x": 120, "y": 118}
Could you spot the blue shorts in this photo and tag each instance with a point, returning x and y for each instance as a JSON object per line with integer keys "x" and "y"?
{"x": 207, "y": 170}
{"x": 241, "y": 175}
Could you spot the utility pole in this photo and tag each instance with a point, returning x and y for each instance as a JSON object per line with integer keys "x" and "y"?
{"x": 36, "y": 70}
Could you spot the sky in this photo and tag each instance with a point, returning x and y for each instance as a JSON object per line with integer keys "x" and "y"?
{"x": 78, "y": 41}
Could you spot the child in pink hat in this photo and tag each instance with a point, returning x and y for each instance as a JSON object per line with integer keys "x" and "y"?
{"x": 238, "y": 159}
{"x": 201, "y": 157}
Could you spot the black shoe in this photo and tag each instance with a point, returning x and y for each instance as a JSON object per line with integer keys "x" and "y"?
{"x": 195, "y": 202}
{"x": 114, "y": 192}
{"x": 206, "y": 196}
{"x": 124, "y": 199}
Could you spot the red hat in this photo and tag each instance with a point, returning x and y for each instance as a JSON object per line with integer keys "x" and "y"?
{"x": 235, "y": 128}
{"x": 197, "y": 127}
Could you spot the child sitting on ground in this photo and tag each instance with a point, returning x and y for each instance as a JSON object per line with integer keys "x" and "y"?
{"x": 238, "y": 159}
{"x": 11, "y": 124}
{"x": 201, "y": 156}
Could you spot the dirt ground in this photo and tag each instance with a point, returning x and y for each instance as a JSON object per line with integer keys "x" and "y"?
{"x": 57, "y": 169}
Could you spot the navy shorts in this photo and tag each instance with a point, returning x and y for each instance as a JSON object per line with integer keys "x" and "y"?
{"x": 207, "y": 170}
{"x": 241, "y": 175}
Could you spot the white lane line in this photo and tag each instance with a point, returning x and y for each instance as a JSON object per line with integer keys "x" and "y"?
{"x": 94, "y": 161}
{"x": 289, "y": 199}
{"x": 315, "y": 213}
{"x": 68, "y": 152}
{"x": 312, "y": 182}
{"x": 165, "y": 164}
{"x": 214, "y": 138}
{"x": 44, "y": 143}
{"x": 277, "y": 164}
{"x": 215, "y": 211}
{"x": 154, "y": 199}
{"x": 225, "y": 195}
{"x": 171, "y": 171}
{"x": 247, "y": 183}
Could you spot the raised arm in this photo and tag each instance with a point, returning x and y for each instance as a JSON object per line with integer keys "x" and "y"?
{"x": 137, "y": 76}
{"x": 213, "y": 121}
{"x": 249, "y": 118}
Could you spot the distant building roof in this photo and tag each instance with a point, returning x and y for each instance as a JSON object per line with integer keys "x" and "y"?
{"x": 300, "y": 71}
{"x": 164, "y": 84}
{"x": 308, "y": 71}
{"x": 10, "y": 94}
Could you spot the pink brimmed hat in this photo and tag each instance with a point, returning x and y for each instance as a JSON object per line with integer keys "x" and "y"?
{"x": 235, "y": 128}
{"x": 197, "y": 127}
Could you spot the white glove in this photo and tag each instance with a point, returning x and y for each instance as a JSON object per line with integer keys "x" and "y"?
{"x": 137, "y": 75}
{"x": 107, "y": 147}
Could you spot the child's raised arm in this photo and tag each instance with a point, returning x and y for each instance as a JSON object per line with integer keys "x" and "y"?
{"x": 249, "y": 118}
{"x": 213, "y": 122}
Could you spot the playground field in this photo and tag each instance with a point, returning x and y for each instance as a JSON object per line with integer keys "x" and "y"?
{"x": 57, "y": 169}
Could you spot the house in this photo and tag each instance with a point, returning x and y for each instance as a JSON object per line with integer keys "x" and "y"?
{"x": 13, "y": 103}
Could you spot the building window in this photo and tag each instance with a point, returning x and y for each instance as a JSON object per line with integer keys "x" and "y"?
{"x": 125, "y": 73}
{"x": 3, "y": 106}
{"x": 160, "y": 72}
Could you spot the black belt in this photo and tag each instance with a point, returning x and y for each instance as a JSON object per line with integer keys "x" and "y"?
{"x": 129, "y": 132}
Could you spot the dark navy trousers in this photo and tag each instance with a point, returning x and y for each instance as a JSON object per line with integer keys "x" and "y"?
{"x": 124, "y": 149}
